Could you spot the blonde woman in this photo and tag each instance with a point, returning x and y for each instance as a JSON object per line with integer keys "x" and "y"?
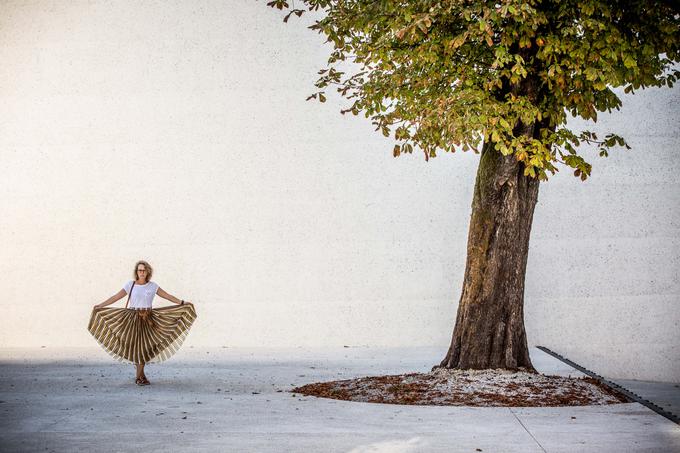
{"x": 138, "y": 333}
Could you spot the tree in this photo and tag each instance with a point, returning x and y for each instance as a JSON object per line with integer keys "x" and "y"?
{"x": 450, "y": 75}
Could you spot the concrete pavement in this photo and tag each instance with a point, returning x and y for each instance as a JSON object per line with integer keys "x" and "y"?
{"x": 237, "y": 400}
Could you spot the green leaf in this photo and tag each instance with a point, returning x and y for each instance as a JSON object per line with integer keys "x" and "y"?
{"x": 453, "y": 74}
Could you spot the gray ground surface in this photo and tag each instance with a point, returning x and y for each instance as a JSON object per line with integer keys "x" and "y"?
{"x": 238, "y": 400}
{"x": 666, "y": 395}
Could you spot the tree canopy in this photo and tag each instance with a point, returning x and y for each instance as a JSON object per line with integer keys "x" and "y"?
{"x": 448, "y": 75}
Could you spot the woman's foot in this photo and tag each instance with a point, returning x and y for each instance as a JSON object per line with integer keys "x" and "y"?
{"x": 139, "y": 381}
{"x": 145, "y": 381}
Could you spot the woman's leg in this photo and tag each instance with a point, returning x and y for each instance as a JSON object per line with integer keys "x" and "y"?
{"x": 145, "y": 381}
{"x": 140, "y": 370}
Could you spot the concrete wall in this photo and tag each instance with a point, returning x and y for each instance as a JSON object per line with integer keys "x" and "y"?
{"x": 178, "y": 133}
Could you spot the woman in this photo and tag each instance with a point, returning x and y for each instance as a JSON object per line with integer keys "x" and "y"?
{"x": 140, "y": 334}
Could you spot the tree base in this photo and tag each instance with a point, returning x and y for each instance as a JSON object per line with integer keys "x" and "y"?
{"x": 487, "y": 388}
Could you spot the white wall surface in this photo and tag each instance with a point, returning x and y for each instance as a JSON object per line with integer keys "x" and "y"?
{"x": 178, "y": 132}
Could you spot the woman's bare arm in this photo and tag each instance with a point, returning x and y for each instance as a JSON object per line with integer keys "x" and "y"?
{"x": 119, "y": 295}
{"x": 170, "y": 297}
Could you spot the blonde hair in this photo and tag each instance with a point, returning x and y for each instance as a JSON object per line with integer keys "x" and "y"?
{"x": 147, "y": 266}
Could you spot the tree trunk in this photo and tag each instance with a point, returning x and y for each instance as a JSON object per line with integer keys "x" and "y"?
{"x": 489, "y": 330}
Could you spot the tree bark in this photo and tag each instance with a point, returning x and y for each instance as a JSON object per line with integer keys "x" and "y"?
{"x": 489, "y": 330}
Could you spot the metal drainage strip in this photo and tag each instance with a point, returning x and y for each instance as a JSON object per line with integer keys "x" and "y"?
{"x": 670, "y": 416}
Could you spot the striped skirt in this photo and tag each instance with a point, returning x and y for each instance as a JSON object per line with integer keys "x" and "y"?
{"x": 142, "y": 336}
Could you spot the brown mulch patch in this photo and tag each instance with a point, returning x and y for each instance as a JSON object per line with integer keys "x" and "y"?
{"x": 444, "y": 387}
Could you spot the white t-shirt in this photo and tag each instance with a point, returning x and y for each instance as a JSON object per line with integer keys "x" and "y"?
{"x": 142, "y": 295}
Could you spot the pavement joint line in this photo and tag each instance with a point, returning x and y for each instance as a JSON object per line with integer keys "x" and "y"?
{"x": 525, "y": 429}
{"x": 614, "y": 386}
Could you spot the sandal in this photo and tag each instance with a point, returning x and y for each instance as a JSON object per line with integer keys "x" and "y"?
{"x": 139, "y": 381}
{"x": 144, "y": 381}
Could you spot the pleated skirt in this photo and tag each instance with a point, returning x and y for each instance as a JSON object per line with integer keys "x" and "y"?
{"x": 142, "y": 336}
